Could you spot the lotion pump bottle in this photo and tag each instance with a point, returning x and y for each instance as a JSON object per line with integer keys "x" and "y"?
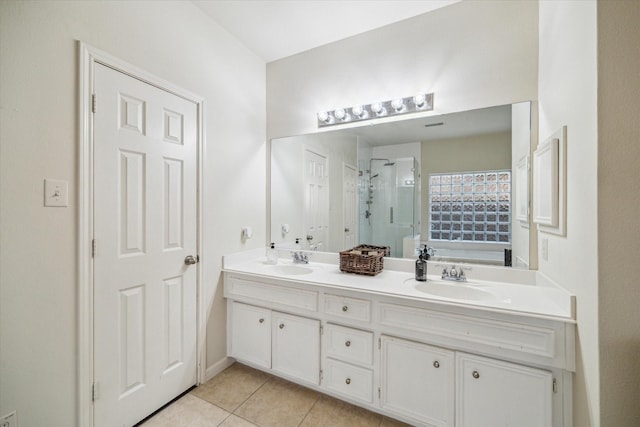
{"x": 421, "y": 264}
{"x": 272, "y": 254}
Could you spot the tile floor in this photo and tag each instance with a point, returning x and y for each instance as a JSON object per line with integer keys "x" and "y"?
{"x": 241, "y": 396}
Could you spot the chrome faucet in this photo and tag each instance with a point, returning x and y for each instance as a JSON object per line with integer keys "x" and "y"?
{"x": 299, "y": 257}
{"x": 454, "y": 274}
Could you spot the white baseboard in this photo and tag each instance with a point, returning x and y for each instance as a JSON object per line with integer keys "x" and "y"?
{"x": 218, "y": 367}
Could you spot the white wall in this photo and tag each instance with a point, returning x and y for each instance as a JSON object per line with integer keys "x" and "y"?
{"x": 287, "y": 177}
{"x": 567, "y": 96}
{"x": 471, "y": 54}
{"x": 618, "y": 207}
{"x": 38, "y": 139}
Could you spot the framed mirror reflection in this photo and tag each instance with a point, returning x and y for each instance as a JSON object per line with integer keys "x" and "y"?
{"x": 453, "y": 182}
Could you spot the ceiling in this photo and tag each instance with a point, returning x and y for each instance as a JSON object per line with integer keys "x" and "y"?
{"x": 275, "y": 29}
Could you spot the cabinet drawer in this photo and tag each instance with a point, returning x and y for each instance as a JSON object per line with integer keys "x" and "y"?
{"x": 529, "y": 339}
{"x": 348, "y": 308}
{"x": 351, "y": 381}
{"x": 349, "y": 344}
{"x": 281, "y": 295}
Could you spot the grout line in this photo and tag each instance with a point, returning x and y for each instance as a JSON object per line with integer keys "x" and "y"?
{"x": 225, "y": 418}
{"x": 249, "y": 397}
{"x": 310, "y": 409}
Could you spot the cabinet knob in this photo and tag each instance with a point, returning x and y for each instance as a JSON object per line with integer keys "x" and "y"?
{"x": 281, "y": 326}
{"x": 476, "y": 374}
{"x": 345, "y": 307}
{"x": 261, "y": 320}
{"x": 348, "y": 343}
{"x": 348, "y": 381}
{"x": 436, "y": 364}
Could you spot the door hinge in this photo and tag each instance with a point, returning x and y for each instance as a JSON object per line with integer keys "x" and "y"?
{"x": 94, "y": 107}
{"x": 321, "y": 330}
{"x": 94, "y": 392}
{"x": 321, "y": 376}
{"x": 379, "y": 393}
{"x": 379, "y": 343}
{"x": 94, "y": 248}
{"x": 555, "y": 386}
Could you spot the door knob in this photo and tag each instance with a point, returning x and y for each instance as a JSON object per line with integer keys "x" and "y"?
{"x": 346, "y": 230}
{"x": 190, "y": 259}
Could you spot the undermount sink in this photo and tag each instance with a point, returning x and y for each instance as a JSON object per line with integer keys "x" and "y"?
{"x": 453, "y": 291}
{"x": 291, "y": 269}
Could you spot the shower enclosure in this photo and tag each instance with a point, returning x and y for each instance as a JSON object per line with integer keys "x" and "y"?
{"x": 390, "y": 203}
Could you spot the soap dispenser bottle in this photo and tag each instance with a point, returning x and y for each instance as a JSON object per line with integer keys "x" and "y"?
{"x": 272, "y": 254}
{"x": 421, "y": 264}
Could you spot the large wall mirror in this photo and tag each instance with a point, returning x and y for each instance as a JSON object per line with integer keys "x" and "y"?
{"x": 457, "y": 182}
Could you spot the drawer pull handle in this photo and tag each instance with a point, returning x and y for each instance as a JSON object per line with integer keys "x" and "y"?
{"x": 348, "y": 381}
{"x": 345, "y": 308}
{"x": 348, "y": 343}
{"x": 281, "y": 326}
{"x": 476, "y": 374}
{"x": 436, "y": 364}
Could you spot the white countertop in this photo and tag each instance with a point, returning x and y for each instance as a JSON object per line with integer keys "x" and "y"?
{"x": 534, "y": 299}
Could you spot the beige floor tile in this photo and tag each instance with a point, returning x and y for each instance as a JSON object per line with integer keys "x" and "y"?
{"x": 232, "y": 387}
{"x": 234, "y": 421}
{"x": 189, "y": 411}
{"x": 278, "y": 403}
{"x": 390, "y": 422}
{"x": 332, "y": 412}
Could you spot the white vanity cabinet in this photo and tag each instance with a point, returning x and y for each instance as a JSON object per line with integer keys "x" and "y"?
{"x": 296, "y": 347}
{"x": 284, "y": 343}
{"x": 491, "y": 393}
{"x": 426, "y": 363}
{"x": 347, "y": 362}
{"x": 417, "y": 380}
{"x": 250, "y": 339}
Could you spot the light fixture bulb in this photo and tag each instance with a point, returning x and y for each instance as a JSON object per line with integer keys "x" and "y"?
{"x": 357, "y": 110}
{"x": 377, "y": 108}
{"x": 340, "y": 114}
{"x": 397, "y": 104}
{"x": 420, "y": 100}
{"x": 323, "y": 116}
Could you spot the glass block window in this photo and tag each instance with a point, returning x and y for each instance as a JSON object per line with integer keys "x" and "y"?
{"x": 471, "y": 206}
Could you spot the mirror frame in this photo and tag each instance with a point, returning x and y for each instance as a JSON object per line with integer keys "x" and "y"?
{"x": 533, "y": 119}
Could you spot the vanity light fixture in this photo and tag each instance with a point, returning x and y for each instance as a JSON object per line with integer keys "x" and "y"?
{"x": 410, "y": 104}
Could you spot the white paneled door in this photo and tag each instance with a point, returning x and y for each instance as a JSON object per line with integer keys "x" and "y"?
{"x": 145, "y": 228}
{"x": 316, "y": 193}
{"x": 350, "y": 206}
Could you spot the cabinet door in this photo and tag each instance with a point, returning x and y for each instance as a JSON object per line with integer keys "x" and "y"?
{"x": 296, "y": 347}
{"x": 492, "y": 393}
{"x": 251, "y": 334}
{"x": 417, "y": 381}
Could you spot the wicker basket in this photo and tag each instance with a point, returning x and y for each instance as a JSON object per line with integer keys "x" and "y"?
{"x": 385, "y": 250}
{"x": 363, "y": 259}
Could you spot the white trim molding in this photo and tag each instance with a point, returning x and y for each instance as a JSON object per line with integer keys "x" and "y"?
{"x": 89, "y": 56}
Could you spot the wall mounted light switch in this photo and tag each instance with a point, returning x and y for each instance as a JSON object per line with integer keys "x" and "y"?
{"x": 545, "y": 249}
{"x": 56, "y": 193}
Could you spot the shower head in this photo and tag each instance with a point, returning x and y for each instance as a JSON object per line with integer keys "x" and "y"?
{"x": 387, "y": 162}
